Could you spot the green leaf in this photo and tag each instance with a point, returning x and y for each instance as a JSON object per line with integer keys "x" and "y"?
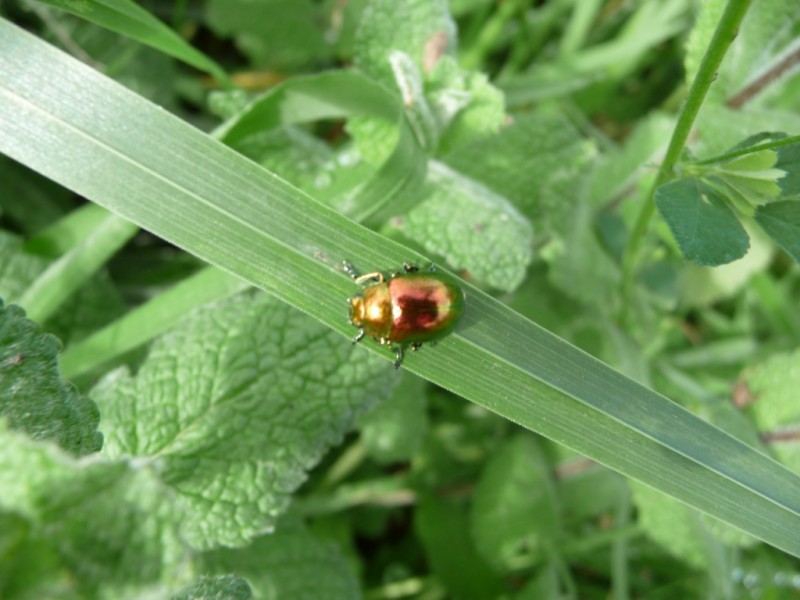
{"x": 64, "y": 276}
{"x": 617, "y": 169}
{"x": 201, "y": 196}
{"x": 467, "y": 106}
{"x": 227, "y": 404}
{"x": 33, "y": 397}
{"x": 147, "y": 321}
{"x": 109, "y": 524}
{"x": 91, "y": 306}
{"x": 444, "y": 530}
{"x": 705, "y": 228}
{"x": 289, "y": 563}
{"x": 17, "y": 267}
{"x": 773, "y": 386}
{"x": 224, "y": 587}
{"x": 393, "y": 431}
{"x": 789, "y": 163}
{"x": 387, "y": 26}
{"x": 130, "y": 19}
{"x": 30, "y": 200}
{"x": 29, "y": 564}
{"x": 336, "y": 95}
{"x": 781, "y": 222}
{"x": 474, "y": 228}
{"x": 675, "y": 527}
{"x": 528, "y": 161}
{"x": 514, "y": 509}
{"x": 281, "y": 34}
{"x": 761, "y": 43}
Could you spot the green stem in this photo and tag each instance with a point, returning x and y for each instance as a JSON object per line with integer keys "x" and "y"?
{"x": 723, "y": 37}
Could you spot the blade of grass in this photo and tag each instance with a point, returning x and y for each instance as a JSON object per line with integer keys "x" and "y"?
{"x": 67, "y": 232}
{"x": 341, "y": 95}
{"x": 69, "y": 272}
{"x": 148, "y": 321}
{"x": 130, "y": 19}
{"x": 202, "y": 196}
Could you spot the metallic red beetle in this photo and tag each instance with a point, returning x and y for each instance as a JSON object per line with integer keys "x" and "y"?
{"x": 405, "y": 309}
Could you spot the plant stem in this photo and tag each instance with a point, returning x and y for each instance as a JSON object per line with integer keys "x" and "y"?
{"x": 723, "y": 37}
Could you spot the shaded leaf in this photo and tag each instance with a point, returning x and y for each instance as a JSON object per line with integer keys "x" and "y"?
{"x": 33, "y": 397}
{"x": 705, "y": 228}
{"x": 109, "y": 525}
{"x": 514, "y": 509}
{"x": 289, "y": 563}
{"x": 781, "y": 222}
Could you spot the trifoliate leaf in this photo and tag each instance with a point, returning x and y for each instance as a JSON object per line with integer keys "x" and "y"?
{"x": 704, "y": 226}
{"x": 781, "y": 222}
{"x": 33, "y": 397}
{"x": 110, "y": 526}
{"x": 235, "y": 406}
{"x": 473, "y": 227}
{"x": 289, "y": 563}
{"x": 789, "y": 163}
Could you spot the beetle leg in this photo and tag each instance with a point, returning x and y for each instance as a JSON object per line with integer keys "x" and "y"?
{"x": 416, "y": 346}
{"x": 409, "y": 268}
{"x": 359, "y": 336}
{"x": 398, "y": 356}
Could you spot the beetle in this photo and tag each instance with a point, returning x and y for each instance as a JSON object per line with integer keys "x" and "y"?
{"x": 405, "y": 309}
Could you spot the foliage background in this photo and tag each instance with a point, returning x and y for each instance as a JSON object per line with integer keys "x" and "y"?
{"x": 199, "y": 439}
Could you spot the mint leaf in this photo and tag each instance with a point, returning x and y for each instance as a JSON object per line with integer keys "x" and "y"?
{"x": 225, "y": 587}
{"x": 282, "y": 34}
{"x": 773, "y": 385}
{"x": 387, "y": 26}
{"x": 672, "y": 525}
{"x": 289, "y": 563}
{"x": 781, "y": 222}
{"x": 473, "y": 227}
{"x": 235, "y": 406}
{"x": 514, "y": 508}
{"x": 705, "y": 228}
{"x": 107, "y": 525}
{"x": 33, "y": 397}
{"x": 29, "y": 564}
{"x": 467, "y": 106}
{"x": 528, "y": 161}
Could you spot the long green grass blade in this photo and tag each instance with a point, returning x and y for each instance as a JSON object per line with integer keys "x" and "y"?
{"x": 130, "y": 19}
{"x": 75, "y": 126}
